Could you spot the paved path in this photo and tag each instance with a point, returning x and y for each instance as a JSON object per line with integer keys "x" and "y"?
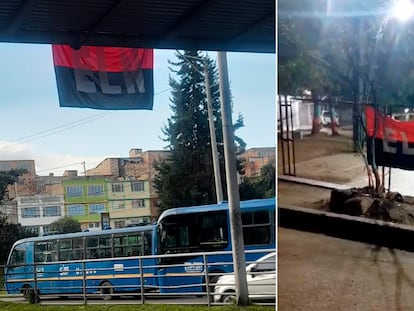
{"x": 321, "y": 273}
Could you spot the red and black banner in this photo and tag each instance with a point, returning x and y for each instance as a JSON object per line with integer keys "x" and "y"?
{"x": 109, "y": 78}
{"x": 393, "y": 140}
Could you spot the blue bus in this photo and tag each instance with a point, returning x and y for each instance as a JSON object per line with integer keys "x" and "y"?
{"x": 166, "y": 255}
{"x": 103, "y": 262}
{"x": 190, "y": 231}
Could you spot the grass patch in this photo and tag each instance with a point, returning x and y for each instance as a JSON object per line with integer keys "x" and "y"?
{"x": 155, "y": 307}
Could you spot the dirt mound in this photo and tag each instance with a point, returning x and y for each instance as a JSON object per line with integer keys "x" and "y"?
{"x": 365, "y": 202}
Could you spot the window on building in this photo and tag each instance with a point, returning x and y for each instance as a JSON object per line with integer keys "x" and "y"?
{"x": 118, "y": 204}
{"x": 96, "y": 208}
{"x": 119, "y": 224}
{"x": 94, "y": 225}
{"x": 117, "y": 187}
{"x": 138, "y": 203}
{"x": 30, "y": 212}
{"x": 76, "y": 209}
{"x": 95, "y": 190}
{"x": 137, "y": 186}
{"x": 49, "y": 211}
{"x": 74, "y": 191}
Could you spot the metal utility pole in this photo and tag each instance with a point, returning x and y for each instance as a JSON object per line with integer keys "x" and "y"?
{"x": 213, "y": 142}
{"x": 232, "y": 187}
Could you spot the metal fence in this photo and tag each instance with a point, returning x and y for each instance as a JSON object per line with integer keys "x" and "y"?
{"x": 212, "y": 288}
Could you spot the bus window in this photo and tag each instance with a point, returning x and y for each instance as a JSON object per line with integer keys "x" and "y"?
{"x": 41, "y": 251}
{"x": 77, "y": 251}
{"x": 105, "y": 246}
{"x": 133, "y": 245}
{"x": 65, "y": 249}
{"x": 119, "y": 246}
{"x": 213, "y": 231}
{"x": 147, "y": 243}
{"x": 257, "y": 228}
{"x": 193, "y": 232}
{"x": 92, "y": 248}
{"x": 18, "y": 256}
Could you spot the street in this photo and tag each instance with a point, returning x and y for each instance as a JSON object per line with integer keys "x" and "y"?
{"x": 317, "y": 272}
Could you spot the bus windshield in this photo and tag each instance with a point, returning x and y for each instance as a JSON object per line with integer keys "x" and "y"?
{"x": 193, "y": 232}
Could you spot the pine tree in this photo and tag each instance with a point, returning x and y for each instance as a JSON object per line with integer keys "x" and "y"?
{"x": 186, "y": 178}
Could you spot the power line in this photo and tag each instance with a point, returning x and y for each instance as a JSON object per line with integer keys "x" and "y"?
{"x": 57, "y": 129}
{"x": 63, "y": 166}
{"x": 64, "y": 127}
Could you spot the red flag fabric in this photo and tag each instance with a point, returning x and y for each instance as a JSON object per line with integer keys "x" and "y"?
{"x": 390, "y": 142}
{"x": 108, "y": 78}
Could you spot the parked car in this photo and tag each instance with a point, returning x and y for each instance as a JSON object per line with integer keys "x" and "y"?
{"x": 326, "y": 118}
{"x": 261, "y": 281}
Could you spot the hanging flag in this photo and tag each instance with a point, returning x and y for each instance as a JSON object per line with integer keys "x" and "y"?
{"x": 393, "y": 140}
{"x": 104, "y": 77}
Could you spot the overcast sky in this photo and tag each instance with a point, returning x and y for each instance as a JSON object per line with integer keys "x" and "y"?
{"x": 34, "y": 127}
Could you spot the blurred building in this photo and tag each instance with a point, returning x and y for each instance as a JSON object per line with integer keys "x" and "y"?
{"x": 254, "y": 159}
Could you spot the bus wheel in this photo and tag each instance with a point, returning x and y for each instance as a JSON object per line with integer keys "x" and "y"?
{"x": 106, "y": 290}
{"x": 26, "y": 290}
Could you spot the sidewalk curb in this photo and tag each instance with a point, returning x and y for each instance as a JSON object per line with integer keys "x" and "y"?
{"x": 361, "y": 229}
{"x": 312, "y": 182}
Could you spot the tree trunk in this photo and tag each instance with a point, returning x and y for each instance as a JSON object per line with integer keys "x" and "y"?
{"x": 334, "y": 123}
{"x": 316, "y": 122}
{"x": 378, "y": 183}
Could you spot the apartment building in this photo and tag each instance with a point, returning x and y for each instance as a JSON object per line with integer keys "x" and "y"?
{"x": 85, "y": 199}
{"x": 129, "y": 201}
{"x": 140, "y": 166}
{"x": 37, "y": 212}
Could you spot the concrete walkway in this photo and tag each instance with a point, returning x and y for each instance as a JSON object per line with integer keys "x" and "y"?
{"x": 345, "y": 170}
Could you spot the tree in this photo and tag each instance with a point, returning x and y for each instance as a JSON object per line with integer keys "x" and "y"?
{"x": 261, "y": 187}
{"x": 65, "y": 224}
{"x": 9, "y": 178}
{"x": 10, "y": 233}
{"x": 186, "y": 177}
{"x": 354, "y": 57}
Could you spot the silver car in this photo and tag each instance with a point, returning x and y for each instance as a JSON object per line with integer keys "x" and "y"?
{"x": 261, "y": 281}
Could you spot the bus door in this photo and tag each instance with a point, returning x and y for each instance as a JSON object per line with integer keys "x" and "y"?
{"x": 20, "y": 269}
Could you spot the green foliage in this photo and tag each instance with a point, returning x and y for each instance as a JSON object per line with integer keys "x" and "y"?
{"x": 65, "y": 224}
{"x": 261, "y": 187}
{"x": 186, "y": 178}
{"x": 8, "y": 178}
{"x": 10, "y": 233}
{"x": 328, "y": 46}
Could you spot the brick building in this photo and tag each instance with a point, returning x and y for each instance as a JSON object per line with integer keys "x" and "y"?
{"x": 255, "y": 158}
